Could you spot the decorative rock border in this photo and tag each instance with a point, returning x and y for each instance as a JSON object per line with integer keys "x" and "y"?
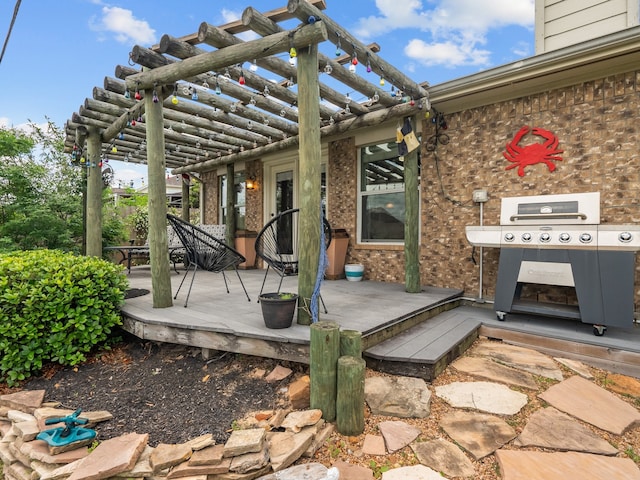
{"x": 274, "y": 442}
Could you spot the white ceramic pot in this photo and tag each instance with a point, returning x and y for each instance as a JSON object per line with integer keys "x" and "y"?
{"x": 354, "y": 271}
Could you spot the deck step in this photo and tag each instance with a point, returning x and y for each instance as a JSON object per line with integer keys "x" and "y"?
{"x": 426, "y": 349}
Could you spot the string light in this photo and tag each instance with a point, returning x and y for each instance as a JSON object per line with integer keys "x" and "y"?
{"x": 241, "y": 80}
{"x": 174, "y": 98}
{"x": 338, "y": 46}
{"x": 328, "y": 69}
{"x": 253, "y": 67}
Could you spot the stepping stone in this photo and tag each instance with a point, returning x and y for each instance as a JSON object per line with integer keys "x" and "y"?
{"x": 486, "y": 368}
{"x": 623, "y": 384}
{"x": 519, "y": 464}
{"x": 311, "y": 471}
{"x": 484, "y": 396}
{"x": 478, "y": 433}
{"x": 249, "y": 462}
{"x": 352, "y": 472}
{"x": 373, "y": 445}
{"x": 520, "y": 358}
{"x": 443, "y": 456}
{"x": 578, "y": 367}
{"x": 416, "y": 472}
{"x": 403, "y": 397}
{"x": 550, "y": 428}
{"x": 287, "y": 447}
{"x": 207, "y": 456}
{"x": 592, "y": 404}
{"x": 397, "y": 434}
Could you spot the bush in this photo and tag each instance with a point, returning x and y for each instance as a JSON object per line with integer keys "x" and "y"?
{"x": 54, "y": 306}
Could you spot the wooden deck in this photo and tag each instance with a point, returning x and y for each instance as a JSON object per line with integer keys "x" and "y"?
{"x": 408, "y": 334}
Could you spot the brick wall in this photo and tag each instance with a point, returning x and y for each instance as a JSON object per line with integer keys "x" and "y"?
{"x": 595, "y": 123}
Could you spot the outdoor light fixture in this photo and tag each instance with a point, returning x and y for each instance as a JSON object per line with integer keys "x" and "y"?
{"x": 251, "y": 183}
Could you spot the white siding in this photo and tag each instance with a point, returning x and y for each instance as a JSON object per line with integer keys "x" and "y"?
{"x": 560, "y": 23}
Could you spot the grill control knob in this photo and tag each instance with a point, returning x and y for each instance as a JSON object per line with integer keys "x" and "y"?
{"x": 565, "y": 237}
{"x": 526, "y": 237}
{"x": 509, "y": 237}
{"x": 625, "y": 237}
{"x": 586, "y": 238}
{"x": 545, "y": 237}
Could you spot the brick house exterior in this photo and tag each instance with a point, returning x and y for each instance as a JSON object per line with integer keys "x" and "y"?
{"x": 592, "y": 110}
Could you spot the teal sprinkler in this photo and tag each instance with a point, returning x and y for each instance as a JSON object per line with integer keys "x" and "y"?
{"x": 70, "y": 433}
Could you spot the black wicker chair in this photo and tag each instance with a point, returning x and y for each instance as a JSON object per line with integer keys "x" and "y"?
{"x": 205, "y": 252}
{"x": 277, "y": 245}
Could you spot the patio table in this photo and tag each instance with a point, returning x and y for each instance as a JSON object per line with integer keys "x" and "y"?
{"x": 129, "y": 252}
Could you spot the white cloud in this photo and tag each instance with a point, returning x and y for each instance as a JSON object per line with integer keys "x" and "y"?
{"x": 448, "y": 54}
{"x": 452, "y": 30}
{"x": 124, "y": 26}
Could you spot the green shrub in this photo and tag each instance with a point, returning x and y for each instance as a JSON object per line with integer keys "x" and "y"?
{"x": 54, "y": 306}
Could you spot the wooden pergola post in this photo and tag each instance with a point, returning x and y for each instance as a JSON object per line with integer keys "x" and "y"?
{"x": 185, "y": 210}
{"x": 231, "y": 210}
{"x": 412, "y": 221}
{"x": 94, "y": 195}
{"x": 309, "y": 183}
{"x": 158, "y": 242}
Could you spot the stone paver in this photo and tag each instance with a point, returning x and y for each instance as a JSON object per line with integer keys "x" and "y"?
{"x": 403, "y": 397}
{"x": 312, "y": 471}
{"x": 484, "y": 396}
{"x": 529, "y": 465}
{"x": 486, "y": 368}
{"x": 167, "y": 455}
{"x": 397, "y": 434}
{"x": 349, "y": 471}
{"x": 278, "y": 373}
{"x": 578, "y": 367}
{"x": 416, "y": 472}
{"x": 207, "y": 456}
{"x": 286, "y": 447}
{"x": 550, "y": 428}
{"x": 443, "y": 456}
{"x": 479, "y": 434}
{"x": 592, "y": 404}
{"x": 521, "y": 358}
{"x": 373, "y": 445}
{"x": 296, "y": 421}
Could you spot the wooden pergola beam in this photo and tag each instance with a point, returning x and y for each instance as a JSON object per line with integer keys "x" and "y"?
{"x": 247, "y": 51}
{"x": 303, "y": 10}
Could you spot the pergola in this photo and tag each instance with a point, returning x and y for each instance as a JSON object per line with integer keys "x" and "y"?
{"x": 194, "y": 106}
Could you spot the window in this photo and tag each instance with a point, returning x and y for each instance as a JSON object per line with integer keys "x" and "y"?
{"x": 381, "y": 194}
{"x": 239, "y": 199}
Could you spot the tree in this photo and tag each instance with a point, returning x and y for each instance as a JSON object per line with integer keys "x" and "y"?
{"x": 40, "y": 191}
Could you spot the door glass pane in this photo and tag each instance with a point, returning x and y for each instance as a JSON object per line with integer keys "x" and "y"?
{"x": 284, "y": 201}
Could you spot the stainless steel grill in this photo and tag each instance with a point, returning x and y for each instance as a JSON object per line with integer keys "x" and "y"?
{"x": 558, "y": 240}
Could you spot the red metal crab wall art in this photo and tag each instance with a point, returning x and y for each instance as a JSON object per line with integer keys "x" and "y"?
{"x": 524, "y": 155}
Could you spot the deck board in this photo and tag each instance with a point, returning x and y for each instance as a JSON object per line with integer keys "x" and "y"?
{"x": 405, "y": 333}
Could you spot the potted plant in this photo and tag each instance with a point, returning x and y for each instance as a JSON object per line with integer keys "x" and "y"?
{"x": 278, "y": 309}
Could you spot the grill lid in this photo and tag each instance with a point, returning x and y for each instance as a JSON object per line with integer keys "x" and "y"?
{"x": 562, "y": 209}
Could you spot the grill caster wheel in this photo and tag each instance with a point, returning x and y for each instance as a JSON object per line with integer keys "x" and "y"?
{"x": 598, "y": 330}
{"x": 501, "y": 316}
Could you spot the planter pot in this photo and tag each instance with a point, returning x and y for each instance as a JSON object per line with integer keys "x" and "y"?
{"x": 354, "y": 271}
{"x": 278, "y": 309}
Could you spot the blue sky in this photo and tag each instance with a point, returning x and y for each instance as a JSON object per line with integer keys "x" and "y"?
{"x": 59, "y": 50}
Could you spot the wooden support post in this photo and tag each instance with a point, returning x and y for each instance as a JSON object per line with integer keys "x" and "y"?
{"x": 94, "y": 195}
{"x": 185, "y": 210}
{"x": 351, "y": 343}
{"x": 350, "y": 396}
{"x": 412, "y": 222}
{"x": 231, "y": 208}
{"x": 310, "y": 197}
{"x": 324, "y": 350}
{"x": 157, "y": 203}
